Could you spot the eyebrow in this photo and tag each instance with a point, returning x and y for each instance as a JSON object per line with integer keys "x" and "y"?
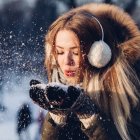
{"x": 74, "y": 47}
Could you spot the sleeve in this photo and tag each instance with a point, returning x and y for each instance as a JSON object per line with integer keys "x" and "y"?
{"x": 50, "y": 129}
{"x": 72, "y": 130}
{"x": 101, "y": 128}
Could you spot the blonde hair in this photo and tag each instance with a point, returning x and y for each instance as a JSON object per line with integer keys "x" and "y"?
{"x": 115, "y": 87}
{"x": 116, "y": 93}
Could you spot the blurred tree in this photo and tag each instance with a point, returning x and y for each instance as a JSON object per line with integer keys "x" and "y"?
{"x": 43, "y": 14}
{"x": 13, "y": 24}
{"x": 108, "y": 1}
{"x": 130, "y": 7}
{"x": 24, "y": 120}
{"x": 70, "y": 3}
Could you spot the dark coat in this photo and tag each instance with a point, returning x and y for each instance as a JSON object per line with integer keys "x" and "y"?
{"x": 70, "y": 131}
{"x": 102, "y": 130}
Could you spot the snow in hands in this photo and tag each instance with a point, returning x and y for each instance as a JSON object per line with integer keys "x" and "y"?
{"x": 53, "y": 95}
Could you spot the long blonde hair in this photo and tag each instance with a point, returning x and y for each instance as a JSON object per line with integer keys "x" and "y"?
{"x": 116, "y": 92}
{"x": 113, "y": 88}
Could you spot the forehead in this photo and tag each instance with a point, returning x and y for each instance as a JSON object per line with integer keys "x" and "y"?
{"x": 66, "y": 39}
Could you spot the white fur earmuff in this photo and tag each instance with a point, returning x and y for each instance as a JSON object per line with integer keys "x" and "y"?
{"x": 99, "y": 54}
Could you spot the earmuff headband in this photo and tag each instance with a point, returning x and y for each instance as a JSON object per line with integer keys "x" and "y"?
{"x": 100, "y": 53}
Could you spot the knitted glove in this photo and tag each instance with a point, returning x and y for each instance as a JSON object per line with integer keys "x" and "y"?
{"x": 38, "y": 95}
{"x": 73, "y": 99}
{"x": 62, "y": 99}
{"x": 53, "y": 96}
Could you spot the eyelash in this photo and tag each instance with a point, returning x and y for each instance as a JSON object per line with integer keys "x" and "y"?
{"x": 75, "y": 53}
{"x": 61, "y": 53}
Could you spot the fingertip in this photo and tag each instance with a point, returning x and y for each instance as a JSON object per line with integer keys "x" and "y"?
{"x": 34, "y": 82}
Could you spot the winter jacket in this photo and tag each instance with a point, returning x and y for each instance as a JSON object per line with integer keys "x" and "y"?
{"x": 74, "y": 130}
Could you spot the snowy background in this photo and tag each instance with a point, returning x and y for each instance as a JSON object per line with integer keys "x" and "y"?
{"x": 15, "y": 94}
{"x": 23, "y": 25}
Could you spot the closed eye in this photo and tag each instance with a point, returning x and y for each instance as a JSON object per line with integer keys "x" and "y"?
{"x": 59, "y": 52}
{"x": 75, "y": 53}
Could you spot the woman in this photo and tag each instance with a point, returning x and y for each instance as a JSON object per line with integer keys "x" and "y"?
{"x": 96, "y": 47}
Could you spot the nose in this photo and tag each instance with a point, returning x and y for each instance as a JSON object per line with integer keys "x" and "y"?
{"x": 69, "y": 59}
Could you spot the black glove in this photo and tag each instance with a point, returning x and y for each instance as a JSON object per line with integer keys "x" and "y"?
{"x": 53, "y": 95}
{"x": 37, "y": 94}
{"x": 56, "y": 96}
{"x": 61, "y": 99}
{"x": 62, "y": 96}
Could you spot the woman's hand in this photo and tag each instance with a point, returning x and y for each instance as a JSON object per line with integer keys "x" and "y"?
{"x": 37, "y": 94}
{"x": 61, "y": 98}
{"x": 53, "y": 95}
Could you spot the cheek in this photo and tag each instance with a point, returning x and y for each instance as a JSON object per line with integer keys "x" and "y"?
{"x": 60, "y": 60}
{"x": 77, "y": 62}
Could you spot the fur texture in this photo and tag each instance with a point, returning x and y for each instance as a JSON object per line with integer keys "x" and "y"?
{"x": 123, "y": 28}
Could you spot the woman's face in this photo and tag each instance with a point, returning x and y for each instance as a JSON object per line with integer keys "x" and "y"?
{"x": 67, "y": 54}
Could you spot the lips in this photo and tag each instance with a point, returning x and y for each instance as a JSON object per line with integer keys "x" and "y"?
{"x": 70, "y": 73}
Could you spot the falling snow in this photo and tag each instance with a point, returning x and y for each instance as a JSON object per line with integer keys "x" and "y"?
{"x": 15, "y": 94}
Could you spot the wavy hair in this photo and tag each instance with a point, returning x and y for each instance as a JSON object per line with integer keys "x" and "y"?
{"x": 115, "y": 87}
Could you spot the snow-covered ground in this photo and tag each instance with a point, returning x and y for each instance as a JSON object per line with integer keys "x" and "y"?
{"x": 14, "y": 96}
{"x": 8, "y": 131}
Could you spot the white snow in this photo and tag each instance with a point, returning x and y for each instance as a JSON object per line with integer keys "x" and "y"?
{"x": 59, "y": 85}
{"x": 14, "y": 95}
{"x": 41, "y": 86}
{"x": 62, "y": 86}
{"x": 8, "y": 130}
